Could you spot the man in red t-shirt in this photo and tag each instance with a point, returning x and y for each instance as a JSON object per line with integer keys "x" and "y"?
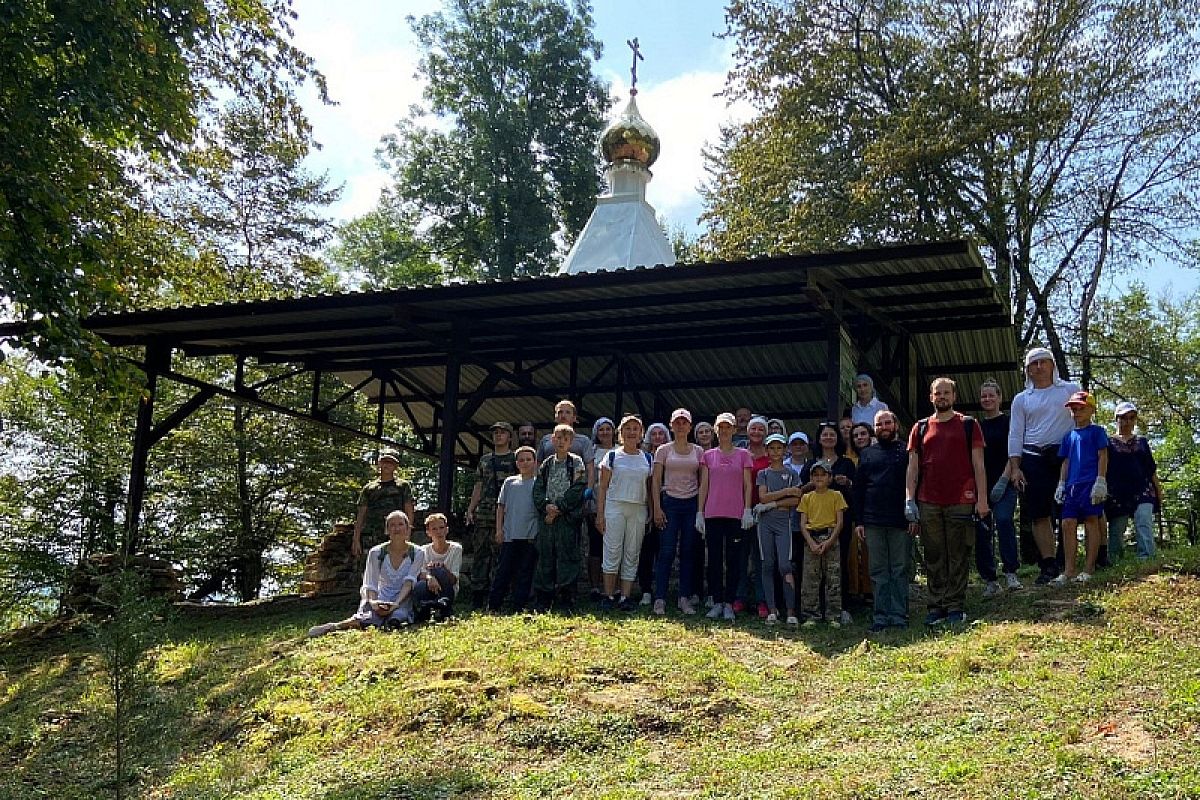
{"x": 945, "y": 483}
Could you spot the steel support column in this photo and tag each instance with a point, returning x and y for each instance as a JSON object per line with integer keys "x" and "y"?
{"x": 449, "y": 426}
{"x": 157, "y": 359}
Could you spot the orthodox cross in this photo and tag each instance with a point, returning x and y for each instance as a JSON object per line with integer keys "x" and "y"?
{"x": 637, "y": 56}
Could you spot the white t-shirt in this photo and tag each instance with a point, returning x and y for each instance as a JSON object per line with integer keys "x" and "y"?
{"x": 451, "y": 559}
{"x": 629, "y": 474}
{"x": 1040, "y": 417}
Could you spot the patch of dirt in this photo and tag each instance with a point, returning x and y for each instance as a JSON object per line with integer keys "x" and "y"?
{"x": 1123, "y": 738}
{"x": 629, "y": 697}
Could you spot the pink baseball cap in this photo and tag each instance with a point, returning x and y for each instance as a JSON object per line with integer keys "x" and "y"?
{"x": 681, "y": 412}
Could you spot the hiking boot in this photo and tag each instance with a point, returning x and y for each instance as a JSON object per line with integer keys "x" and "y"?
{"x": 992, "y": 589}
{"x": 1011, "y": 581}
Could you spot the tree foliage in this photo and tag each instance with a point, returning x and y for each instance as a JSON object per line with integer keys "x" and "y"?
{"x": 92, "y": 92}
{"x": 1146, "y": 350}
{"x": 513, "y": 178}
{"x": 1062, "y": 135}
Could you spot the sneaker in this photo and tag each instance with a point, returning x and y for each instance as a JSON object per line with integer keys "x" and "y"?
{"x": 321, "y": 630}
{"x": 846, "y": 619}
{"x": 763, "y": 611}
{"x": 1011, "y": 581}
{"x": 935, "y": 618}
{"x": 1083, "y": 577}
{"x": 708, "y": 602}
{"x": 694, "y": 600}
{"x": 809, "y": 623}
{"x": 992, "y": 589}
{"x": 716, "y": 611}
{"x": 772, "y": 619}
{"x": 646, "y": 598}
{"x": 876, "y": 627}
{"x": 660, "y": 607}
{"x": 1044, "y": 579}
{"x": 686, "y": 607}
{"x": 739, "y": 607}
{"x": 607, "y": 603}
{"x": 793, "y": 621}
{"x": 956, "y": 618}
{"x": 1060, "y": 580}
{"x": 728, "y": 612}
{"x": 626, "y": 604}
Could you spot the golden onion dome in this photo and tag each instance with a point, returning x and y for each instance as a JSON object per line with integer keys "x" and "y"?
{"x": 630, "y": 138}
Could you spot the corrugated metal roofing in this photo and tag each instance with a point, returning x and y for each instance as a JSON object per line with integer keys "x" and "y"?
{"x": 706, "y": 336}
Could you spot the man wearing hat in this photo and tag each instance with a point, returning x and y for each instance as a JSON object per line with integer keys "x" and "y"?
{"x": 481, "y": 510}
{"x": 1040, "y": 420}
{"x": 377, "y": 499}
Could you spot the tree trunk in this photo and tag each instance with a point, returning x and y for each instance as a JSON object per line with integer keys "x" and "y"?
{"x": 248, "y": 558}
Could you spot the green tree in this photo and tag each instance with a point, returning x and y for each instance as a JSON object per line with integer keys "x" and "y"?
{"x": 381, "y": 249}
{"x": 91, "y": 93}
{"x": 1146, "y": 350}
{"x": 514, "y": 178}
{"x": 1062, "y": 136}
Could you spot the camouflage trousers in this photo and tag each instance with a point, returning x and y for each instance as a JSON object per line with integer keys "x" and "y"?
{"x": 826, "y": 566}
{"x": 486, "y": 554}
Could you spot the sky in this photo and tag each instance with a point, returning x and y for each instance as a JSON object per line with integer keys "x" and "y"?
{"x": 369, "y": 56}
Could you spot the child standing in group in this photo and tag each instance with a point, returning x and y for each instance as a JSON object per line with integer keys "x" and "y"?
{"x": 780, "y": 492}
{"x": 821, "y": 512}
{"x": 516, "y": 529}
{"x": 1082, "y": 486}
{"x": 558, "y": 496}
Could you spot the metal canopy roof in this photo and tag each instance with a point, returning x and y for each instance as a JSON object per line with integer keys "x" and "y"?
{"x": 709, "y": 337}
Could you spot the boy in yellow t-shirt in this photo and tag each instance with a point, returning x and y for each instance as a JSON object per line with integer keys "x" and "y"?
{"x": 820, "y": 520}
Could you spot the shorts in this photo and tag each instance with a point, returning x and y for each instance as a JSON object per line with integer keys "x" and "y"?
{"x": 1078, "y": 502}
{"x": 1041, "y": 480}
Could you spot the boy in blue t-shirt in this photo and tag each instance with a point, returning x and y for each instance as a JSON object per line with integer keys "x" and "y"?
{"x": 1082, "y": 486}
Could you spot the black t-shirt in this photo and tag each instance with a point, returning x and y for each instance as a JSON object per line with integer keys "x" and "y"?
{"x": 995, "y": 450}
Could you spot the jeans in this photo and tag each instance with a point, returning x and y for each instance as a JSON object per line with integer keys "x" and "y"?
{"x": 1143, "y": 530}
{"x": 681, "y": 531}
{"x": 887, "y": 553}
{"x": 726, "y": 546}
{"x": 423, "y": 596}
{"x": 1001, "y": 526}
{"x": 515, "y": 570}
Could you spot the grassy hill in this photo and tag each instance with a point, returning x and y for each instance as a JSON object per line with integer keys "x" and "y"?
{"x": 1089, "y": 693}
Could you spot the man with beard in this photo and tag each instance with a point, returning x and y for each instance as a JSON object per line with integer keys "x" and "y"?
{"x": 527, "y": 435}
{"x": 1040, "y": 420}
{"x": 879, "y": 493}
{"x": 944, "y": 480}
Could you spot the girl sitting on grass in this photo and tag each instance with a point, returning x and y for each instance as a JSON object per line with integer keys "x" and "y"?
{"x": 391, "y": 573}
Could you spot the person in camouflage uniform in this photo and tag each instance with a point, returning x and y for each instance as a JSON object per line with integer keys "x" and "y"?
{"x": 481, "y": 511}
{"x": 558, "y": 496}
{"x": 377, "y": 499}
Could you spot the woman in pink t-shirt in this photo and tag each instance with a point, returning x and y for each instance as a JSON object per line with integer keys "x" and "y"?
{"x": 674, "y": 496}
{"x": 724, "y": 513}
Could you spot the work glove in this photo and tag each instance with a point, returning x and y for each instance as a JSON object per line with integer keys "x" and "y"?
{"x": 700, "y": 522}
{"x": 911, "y": 512}
{"x": 1099, "y": 491}
{"x": 997, "y": 493}
{"x": 1060, "y": 494}
{"x": 763, "y": 507}
{"x": 747, "y": 519}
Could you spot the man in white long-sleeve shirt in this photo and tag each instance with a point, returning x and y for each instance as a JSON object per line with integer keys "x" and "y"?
{"x": 1040, "y": 420}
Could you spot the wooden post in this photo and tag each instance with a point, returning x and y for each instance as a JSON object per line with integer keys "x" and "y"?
{"x": 158, "y": 358}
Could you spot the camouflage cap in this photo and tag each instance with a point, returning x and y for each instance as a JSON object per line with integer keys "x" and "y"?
{"x": 504, "y": 426}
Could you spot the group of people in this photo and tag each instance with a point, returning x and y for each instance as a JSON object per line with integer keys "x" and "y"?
{"x": 756, "y": 520}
